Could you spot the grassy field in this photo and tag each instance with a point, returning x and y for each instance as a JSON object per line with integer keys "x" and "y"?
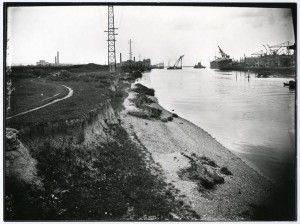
{"x": 33, "y": 92}
{"x": 90, "y": 89}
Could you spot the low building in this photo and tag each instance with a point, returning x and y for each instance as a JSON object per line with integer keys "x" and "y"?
{"x": 42, "y": 63}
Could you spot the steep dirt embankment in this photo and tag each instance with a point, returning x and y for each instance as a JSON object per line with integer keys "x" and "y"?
{"x": 19, "y": 164}
{"x": 92, "y": 129}
{"x": 96, "y": 125}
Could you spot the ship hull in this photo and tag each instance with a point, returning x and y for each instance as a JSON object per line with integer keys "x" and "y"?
{"x": 220, "y": 64}
{"x": 172, "y": 68}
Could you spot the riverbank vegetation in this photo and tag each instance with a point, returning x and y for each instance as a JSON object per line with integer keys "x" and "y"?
{"x": 107, "y": 182}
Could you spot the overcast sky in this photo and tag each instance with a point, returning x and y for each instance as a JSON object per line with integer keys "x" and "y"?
{"x": 161, "y": 33}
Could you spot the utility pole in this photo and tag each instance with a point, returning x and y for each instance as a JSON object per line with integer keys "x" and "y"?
{"x": 111, "y": 40}
{"x": 130, "y": 50}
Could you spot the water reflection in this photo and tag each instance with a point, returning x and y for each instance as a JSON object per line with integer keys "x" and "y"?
{"x": 254, "y": 117}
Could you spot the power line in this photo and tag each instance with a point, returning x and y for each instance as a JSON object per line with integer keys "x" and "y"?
{"x": 111, "y": 40}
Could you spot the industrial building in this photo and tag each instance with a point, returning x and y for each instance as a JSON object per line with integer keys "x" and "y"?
{"x": 42, "y": 63}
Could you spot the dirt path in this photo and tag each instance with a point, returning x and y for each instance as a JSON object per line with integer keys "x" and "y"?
{"x": 70, "y": 93}
{"x": 169, "y": 144}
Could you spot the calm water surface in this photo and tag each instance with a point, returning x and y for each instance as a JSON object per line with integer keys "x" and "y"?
{"x": 253, "y": 117}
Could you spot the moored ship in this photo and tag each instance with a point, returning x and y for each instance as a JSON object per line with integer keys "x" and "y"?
{"x": 199, "y": 65}
{"x": 221, "y": 62}
{"x": 277, "y": 59}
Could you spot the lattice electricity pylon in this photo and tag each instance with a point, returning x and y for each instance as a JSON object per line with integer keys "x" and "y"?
{"x": 111, "y": 40}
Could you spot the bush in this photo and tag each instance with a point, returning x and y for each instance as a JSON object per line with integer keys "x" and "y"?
{"x": 217, "y": 179}
{"x": 174, "y": 115}
{"x": 138, "y": 113}
{"x": 153, "y": 112}
{"x": 208, "y": 161}
{"x": 136, "y": 74}
{"x": 225, "y": 171}
{"x": 207, "y": 182}
{"x": 170, "y": 118}
{"x": 141, "y": 99}
{"x": 139, "y": 88}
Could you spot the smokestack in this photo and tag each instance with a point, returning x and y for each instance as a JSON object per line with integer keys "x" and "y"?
{"x": 55, "y": 61}
{"x": 57, "y": 57}
{"x": 133, "y": 58}
{"x": 120, "y": 58}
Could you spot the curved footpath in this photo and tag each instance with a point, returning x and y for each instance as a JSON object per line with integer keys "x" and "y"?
{"x": 235, "y": 199}
{"x": 70, "y": 93}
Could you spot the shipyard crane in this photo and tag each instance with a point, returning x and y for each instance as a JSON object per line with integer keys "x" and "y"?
{"x": 176, "y": 64}
{"x": 179, "y": 60}
{"x": 274, "y": 52}
{"x": 268, "y": 51}
{"x": 281, "y": 51}
{"x": 224, "y": 55}
{"x": 282, "y": 45}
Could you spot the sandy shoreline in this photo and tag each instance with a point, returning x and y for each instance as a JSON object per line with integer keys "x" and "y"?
{"x": 235, "y": 199}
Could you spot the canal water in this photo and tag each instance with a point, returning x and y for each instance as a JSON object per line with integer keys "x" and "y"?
{"x": 253, "y": 117}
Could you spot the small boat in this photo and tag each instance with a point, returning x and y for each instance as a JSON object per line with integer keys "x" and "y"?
{"x": 199, "y": 65}
{"x": 291, "y": 84}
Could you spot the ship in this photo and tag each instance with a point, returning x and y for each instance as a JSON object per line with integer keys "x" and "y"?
{"x": 199, "y": 65}
{"x": 221, "y": 62}
{"x": 159, "y": 66}
{"x": 176, "y": 65}
{"x": 276, "y": 59}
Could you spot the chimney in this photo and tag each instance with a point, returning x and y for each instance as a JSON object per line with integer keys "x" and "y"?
{"x": 120, "y": 58}
{"x": 55, "y": 61}
{"x": 57, "y": 57}
{"x": 133, "y": 58}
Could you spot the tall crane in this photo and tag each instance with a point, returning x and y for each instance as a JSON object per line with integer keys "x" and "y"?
{"x": 278, "y": 46}
{"x": 176, "y": 64}
{"x": 268, "y": 51}
{"x": 224, "y": 55}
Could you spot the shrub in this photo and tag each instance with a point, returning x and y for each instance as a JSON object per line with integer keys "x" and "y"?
{"x": 208, "y": 161}
{"x": 207, "y": 182}
{"x": 217, "y": 179}
{"x": 170, "y": 118}
{"x": 138, "y": 113}
{"x": 136, "y": 74}
{"x": 174, "y": 115}
{"x": 225, "y": 171}
{"x": 139, "y": 88}
{"x": 141, "y": 99}
{"x": 153, "y": 112}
